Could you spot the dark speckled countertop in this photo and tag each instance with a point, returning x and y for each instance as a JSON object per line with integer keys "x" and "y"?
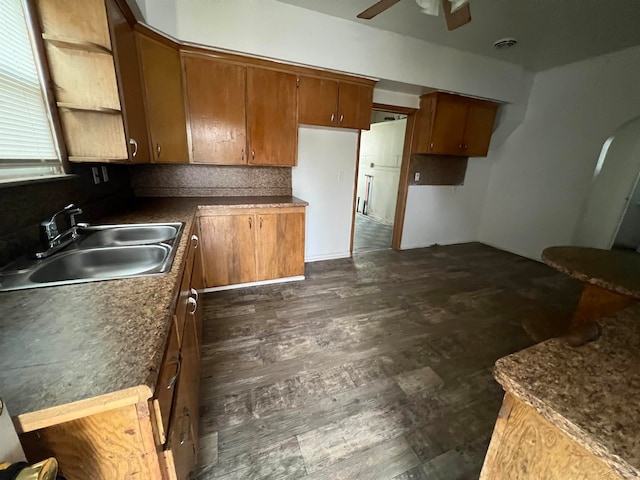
{"x": 68, "y": 343}
{"x": 592, "y": 393}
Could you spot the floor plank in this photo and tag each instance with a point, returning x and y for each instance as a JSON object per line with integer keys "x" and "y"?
{"x": 373, "y": 367}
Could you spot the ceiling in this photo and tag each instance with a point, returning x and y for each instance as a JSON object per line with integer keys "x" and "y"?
{"x": 549, "y": 32}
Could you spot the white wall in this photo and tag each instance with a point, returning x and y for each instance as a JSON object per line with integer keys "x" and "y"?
{"x": 542, "y": 173}
{"x": 287, "y": 32}
{"x": 325, "y": 177}
{"x": 381, "y": 146}
{"x": 446, "y": 214}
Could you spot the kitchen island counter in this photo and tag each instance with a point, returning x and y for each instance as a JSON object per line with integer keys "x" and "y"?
{"x": 591, "y": 393}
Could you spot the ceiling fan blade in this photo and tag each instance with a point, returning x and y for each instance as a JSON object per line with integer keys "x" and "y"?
{"x": 456, "y": 19}
{"x": 377, "y": 9}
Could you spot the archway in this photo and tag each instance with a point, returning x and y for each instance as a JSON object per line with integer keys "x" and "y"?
{"x": 614, "y": 181}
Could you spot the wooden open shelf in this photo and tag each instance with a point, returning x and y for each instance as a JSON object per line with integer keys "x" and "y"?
{"x": 85, "y": 108}
{"x": 73, "y": 44}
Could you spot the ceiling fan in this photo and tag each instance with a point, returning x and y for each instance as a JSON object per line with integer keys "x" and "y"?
{"x": 456, "y": 12}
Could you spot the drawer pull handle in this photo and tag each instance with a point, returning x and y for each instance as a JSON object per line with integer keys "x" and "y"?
{"x": 134, "y": 144}
{"x": 195, "y": 293}
{"x": 158, "y": 149}
{"x": 195, "y": 240}
{"x": 193, "y": 301}
{"x": 250, "y": 222}
{"x": 186, "y": 432}
{"x": 333, "y": 117}
{"x": 174, "y": 379}
{"x": 341, "y": 118}
{"x": 260, "y": 223}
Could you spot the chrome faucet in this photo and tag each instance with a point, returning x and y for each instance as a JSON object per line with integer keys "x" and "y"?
{"x": 51, "y": 238}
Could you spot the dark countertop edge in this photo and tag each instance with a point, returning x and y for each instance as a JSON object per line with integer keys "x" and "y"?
{"x": 196, "y": 204}
{"x": 573, "y": 431}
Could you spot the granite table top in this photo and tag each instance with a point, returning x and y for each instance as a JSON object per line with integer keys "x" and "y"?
{"x": 618, "y": 271}
{"x": 592, "y": 393}
{"x": 68, "y": 343}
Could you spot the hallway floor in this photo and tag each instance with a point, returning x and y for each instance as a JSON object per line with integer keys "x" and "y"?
{"x": 371, "y": 234}
{"x": 376, "y": 367}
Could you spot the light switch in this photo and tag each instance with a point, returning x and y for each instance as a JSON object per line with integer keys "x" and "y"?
{"x": 416, "y": 177}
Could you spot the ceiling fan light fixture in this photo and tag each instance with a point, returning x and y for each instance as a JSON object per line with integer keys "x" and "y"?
{"x": 505, "y": 43}
{"x": 457, "y": 4}
{"x": 429, "y": 7}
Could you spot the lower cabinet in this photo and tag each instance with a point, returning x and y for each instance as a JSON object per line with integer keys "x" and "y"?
{"x": 243, "y": 245}
{"x": 176, "y": 400}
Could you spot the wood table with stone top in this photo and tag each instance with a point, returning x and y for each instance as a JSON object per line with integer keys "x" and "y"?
{"x": 611, "y": 281}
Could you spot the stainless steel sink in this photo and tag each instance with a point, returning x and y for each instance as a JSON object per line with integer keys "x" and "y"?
{"x": 119, "y": 235}
{"x": 104, "y": 252}
{"x": 101, "y": 263}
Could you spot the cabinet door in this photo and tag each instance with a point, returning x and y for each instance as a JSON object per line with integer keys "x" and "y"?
{"x": 355, "y": 104}
{"x": 197, "y": 284}
{"x": 182, "y": 446}
{"x": 216, "y": 105}
{"x": 130, "y": 84}
{"x": 448, "y": 125}
{"x": 162, "y": 77}
{"x": 280, "y": 245}
{"x": 191, "y": 377}
{"x": 272, "y": 117}
{"x": 479, "y": 128}
{"x": 317, "y": 101}
{"x": 228, "y": 249}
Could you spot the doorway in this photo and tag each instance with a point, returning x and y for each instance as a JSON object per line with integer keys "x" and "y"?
{"x": 378, "y": 175}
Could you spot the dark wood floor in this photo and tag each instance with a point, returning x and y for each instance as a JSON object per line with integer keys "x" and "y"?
{"x": 377, "y": 367}
{"x": 370, "y": 235}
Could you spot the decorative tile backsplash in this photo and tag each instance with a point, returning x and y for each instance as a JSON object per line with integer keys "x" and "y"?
{"x": 209, "y": 181}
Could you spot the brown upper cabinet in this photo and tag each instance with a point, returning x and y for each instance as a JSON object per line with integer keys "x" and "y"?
{"x": 272, "y": 122}
{"x": 125, "y": 50}
{"x": 240, "y": 114}
{"x": 454, "y": 125}
{"x": 162, "y": 77}
{"x": 216, "y": 102}
{"x": 332, "y": 103}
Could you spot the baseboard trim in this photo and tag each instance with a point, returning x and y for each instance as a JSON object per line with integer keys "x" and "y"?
{"x": 331, "y": 256}
{"x": 254, "y": 284}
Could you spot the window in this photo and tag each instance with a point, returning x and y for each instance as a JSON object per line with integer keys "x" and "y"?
{"x": 27, "y": 142}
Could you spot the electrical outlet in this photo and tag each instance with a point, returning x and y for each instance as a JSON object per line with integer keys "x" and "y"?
{"x": 105, "y": 174}
{"x": 416, "y": 177}
{"x": 96, "y": 175}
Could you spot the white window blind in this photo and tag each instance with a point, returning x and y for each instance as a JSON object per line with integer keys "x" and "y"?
{"x": 27, "y": 146}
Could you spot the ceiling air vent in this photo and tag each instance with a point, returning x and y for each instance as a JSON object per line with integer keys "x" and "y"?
{"x": 505, "y": 43}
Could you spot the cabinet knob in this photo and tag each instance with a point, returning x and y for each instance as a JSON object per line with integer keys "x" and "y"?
{"x": 195, "y": 241}
{"x": 341, "y": 118}
{"x": 194, "y": 305}
{"x": 464, "y": 147}
{"x": 195, "y": 293}
{"x": 333, "y": 117}
{"x": 431, "y": 145}
{"x": 461, "y": 147}
{"x": 253, "y": 154}
{"x": 158, "y": 149}
{"x": 134, "y": 144}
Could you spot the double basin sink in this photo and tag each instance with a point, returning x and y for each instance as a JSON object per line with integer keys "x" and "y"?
{"x": 104, "y": 252}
